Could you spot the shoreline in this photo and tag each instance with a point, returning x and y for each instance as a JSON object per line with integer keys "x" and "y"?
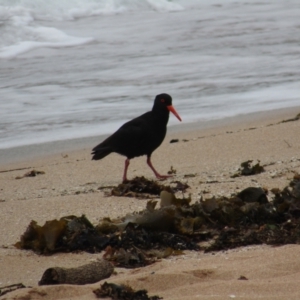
{"x": 30, "y": 152}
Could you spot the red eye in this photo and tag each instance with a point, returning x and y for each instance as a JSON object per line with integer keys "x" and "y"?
{"x": 162, "y": 100}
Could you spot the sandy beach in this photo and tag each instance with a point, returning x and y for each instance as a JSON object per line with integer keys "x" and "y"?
{"x": 212, "y": 151}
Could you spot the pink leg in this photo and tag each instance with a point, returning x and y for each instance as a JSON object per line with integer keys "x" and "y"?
{"x": 155, "y": 172}
{"x": 127, "y": 162}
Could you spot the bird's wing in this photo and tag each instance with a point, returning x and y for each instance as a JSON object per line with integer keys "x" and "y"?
{"x": 132, "y": 131}
{"x": 131, "y": 138}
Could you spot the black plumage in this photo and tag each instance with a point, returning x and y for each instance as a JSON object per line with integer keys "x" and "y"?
{"x": 140, "y": 136}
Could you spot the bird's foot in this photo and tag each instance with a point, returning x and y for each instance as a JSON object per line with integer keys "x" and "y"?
{"x": 163, "y": 177}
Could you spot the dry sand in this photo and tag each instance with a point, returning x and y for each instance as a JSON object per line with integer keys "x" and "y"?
{"x": 213, "y": 152}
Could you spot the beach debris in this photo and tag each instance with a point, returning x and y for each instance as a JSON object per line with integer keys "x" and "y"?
{"x": 216, "y": 223}
{"x": 86, "y": 274}
{"x": 69, "y": 233}
{"x": 242, "y": 277}
{"x": 138, "y": 187}
{"x": 190, "y": 175}
{"x": 172, "y": 171}
{"x": 143, "y": 188}
{"x": 137, "y": 253}
{"x": 174, "y": 141}
{"x": 131, "y": 258}
{"x": 291, "y": 120}
{"x": 10, "y": 288}
{"x": 247, "y": 168}
{"x": 288, "y": 199}
{"x": 122, "y": 292}
{"x": 136, "y": 233}
{"x": 126, "y": 259}
{"x": 168, "y": 198}
{"x": 254, "y": 194}
{"x": 179, "y": 187}
{"x": 31, "y": 173}
{"x": 296, "y": 118}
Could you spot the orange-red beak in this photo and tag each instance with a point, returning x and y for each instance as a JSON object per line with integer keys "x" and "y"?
{"x": 172, "y": 110}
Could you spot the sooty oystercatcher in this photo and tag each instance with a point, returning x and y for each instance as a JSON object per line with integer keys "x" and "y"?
{"x": 140, "y": 136}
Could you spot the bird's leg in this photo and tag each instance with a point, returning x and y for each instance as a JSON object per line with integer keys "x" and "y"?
{"x": 154, "y": 171}
{"x": 127, "y": 162}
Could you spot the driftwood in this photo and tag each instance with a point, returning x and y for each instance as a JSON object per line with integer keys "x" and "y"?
{"x": 90, "y": 273}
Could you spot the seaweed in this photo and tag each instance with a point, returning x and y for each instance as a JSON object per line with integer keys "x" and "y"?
{"x": 137, "y": 187}
{"x": 174, "y": 141}
{"x": 172, "y": 171}
{"x": 32, "y": 173}
{"x": 143, "y": 188}
{"x": 67, "y": 234}
{"x": 122, "y": 292}
{"x": 247, "y": 169}
{"x": 291, "y": 119}
{"x": 140, "y": 238}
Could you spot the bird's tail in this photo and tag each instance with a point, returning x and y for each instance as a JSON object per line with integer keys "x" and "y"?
{"x": 100, "y": 152}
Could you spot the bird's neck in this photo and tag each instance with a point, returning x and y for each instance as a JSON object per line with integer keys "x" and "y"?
{"x": 161, "y": 116}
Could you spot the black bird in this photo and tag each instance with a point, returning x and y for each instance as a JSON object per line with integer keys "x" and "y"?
{"x": 140, "y": 136}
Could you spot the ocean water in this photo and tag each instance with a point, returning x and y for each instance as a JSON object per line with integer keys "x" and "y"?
{"x": 79, "y": 68}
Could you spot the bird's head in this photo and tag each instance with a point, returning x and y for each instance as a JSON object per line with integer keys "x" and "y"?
{"x": 164, "y": 101}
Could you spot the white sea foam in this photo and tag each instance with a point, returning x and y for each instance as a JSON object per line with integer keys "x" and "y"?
{"x": 52, "y": 38}
{"x": 20, "y": 19}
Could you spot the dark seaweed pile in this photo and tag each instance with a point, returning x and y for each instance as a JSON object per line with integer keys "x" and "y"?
{"x": 248, "y": 168}
{"x": 138, "y": 239}
{"x": 115, "y": 291}
{"x": 140, "y": 187}
{"x": 31, "y": 173}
